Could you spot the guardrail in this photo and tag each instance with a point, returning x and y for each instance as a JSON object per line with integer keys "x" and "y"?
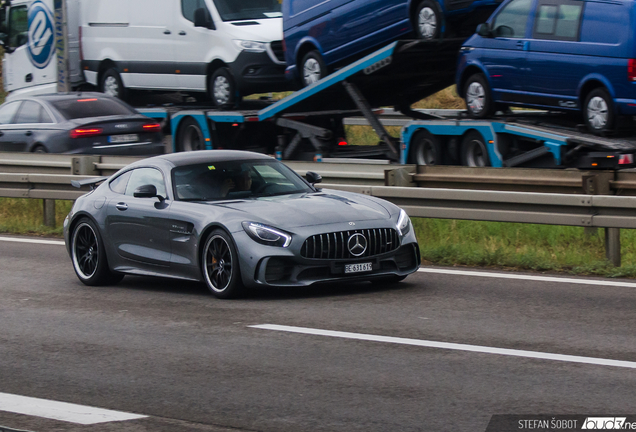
{"x": 553, "y": 197}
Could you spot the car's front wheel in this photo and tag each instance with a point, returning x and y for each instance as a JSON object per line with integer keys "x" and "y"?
{"x": 222, "y": 88}
{"x": 89, "y": 256}
{"x": 313, "y": 68}
{"x": 479, "y": 103}
{"x": 220, "y": 266}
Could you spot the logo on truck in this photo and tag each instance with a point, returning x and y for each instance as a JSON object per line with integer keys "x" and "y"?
{"x": 41, "y": 37}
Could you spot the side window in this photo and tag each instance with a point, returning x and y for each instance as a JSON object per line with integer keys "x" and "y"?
{"x": 7, "y": 112}
{"x": 512, "y": 20}
{"x": 560, "y": 20}
{"x": 119, "y": 184}
{"x": 18, "y": 26}
{"x": 189, "y": 6}
{"x": 44, "y": 116}
{"x": 146, "y": 176}
{"x": 29, "y": 113}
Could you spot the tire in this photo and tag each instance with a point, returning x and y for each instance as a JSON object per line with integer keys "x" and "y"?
{"x": 220, "y": 268}
{"x": 89, "y": 256}
{"x": 112, "y": 84}
{"x": 426, "y": 149}
{"x": 427, "y": 21}
{"x": 478, "y": 97}
{"x": 312, "y": 68}
{"x": 222, "y": 88}
{"x": 190, "y": 136}
{"x": 599, "y": 112}
{"x": 474, "y": 152}
{"x": 39, "y": 149}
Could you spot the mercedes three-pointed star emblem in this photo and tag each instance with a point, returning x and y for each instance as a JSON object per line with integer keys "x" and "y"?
{"x": 357, "y": 244}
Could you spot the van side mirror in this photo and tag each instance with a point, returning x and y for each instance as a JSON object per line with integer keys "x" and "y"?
{"x": 203, "y": 19}
{"x": 313, "y": 177}
{"x": 484, "y": 30}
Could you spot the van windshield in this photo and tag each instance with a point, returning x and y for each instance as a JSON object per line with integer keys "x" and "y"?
{"x": 236, "y": 10}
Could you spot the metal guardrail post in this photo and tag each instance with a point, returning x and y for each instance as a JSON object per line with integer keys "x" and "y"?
{"x": 600, "y": 184}
{"x": 613, "y": 245}
{"x": 49, "y": 212}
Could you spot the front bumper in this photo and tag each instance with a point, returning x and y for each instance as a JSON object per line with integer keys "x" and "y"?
{"x": 257, "y": 73}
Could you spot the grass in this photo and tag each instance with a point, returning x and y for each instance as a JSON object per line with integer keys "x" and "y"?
{"x": 25, "y": 216}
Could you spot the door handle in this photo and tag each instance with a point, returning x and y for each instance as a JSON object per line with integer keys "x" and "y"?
{"x": 182, "y": 33}
{"x": 121, "y": 206}
{"x": 28, "y": 78}
{"x": 28, "y": 133}
{"x": 167, "y": 32}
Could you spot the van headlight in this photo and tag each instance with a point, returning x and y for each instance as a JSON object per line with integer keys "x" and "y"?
{"x": 251, "y": 46}
{"x": 267, "y": 235}
{"x": 403, "y": 224}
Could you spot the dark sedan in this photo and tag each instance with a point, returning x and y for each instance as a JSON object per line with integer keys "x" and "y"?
{"x": 234, "y": 219}
{"x": 89, "y": 123}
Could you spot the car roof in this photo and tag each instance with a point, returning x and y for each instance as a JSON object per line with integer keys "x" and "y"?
{"x": 206, "y": 156}
{"x": 66, "y": 96}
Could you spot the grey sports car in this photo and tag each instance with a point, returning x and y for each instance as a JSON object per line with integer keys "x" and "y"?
{"x": 234, "y": 219}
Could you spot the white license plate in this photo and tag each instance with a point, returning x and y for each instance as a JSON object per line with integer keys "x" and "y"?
{"x": 118, "y": 139}
{"x": 358, "y": 268}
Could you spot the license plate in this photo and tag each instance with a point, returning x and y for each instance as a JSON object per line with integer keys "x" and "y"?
{"x": 358, "y": 268}
{"x": 118, "y": 139}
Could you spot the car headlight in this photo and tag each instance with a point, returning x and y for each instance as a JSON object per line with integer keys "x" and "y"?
{"x": 404, "y": 223}
{"x": 267, "y": 235}
{"x": 251, "y": 46}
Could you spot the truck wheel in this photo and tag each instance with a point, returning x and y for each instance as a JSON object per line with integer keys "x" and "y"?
{"x": 190, "y": 136}
{"x": 313, "y": 68}
{"x": 600, "y": 116}
{"x": 427, "y": 20}
{"x": 478, "y": 97}
{"x": 112, "y": 85}
{"x": 222, "y": 88}
{"x": 474, "y": 152}
{"x": 426, "y": 149}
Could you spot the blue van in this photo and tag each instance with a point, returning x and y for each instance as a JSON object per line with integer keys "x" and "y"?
{"x": 321, "y": 35}
{"x": 567, "y": 55}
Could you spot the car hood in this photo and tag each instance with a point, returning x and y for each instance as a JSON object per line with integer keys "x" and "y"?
{"x": 291, "y": 211}
{"x": 260, "y": 30}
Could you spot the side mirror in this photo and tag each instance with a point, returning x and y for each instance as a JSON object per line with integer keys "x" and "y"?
{"x": 145, "y": 191}
{"x": 203, "y": 19}
{"x": 313, "y": 177}
{"x": 484, "y": 30}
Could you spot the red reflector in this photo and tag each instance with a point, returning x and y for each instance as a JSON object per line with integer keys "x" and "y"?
{"x": 631, "y": 70}
{"x": 627, "y": 159}
{"x": 87, "y": 100}
{"x": 235, "y": 124}
{"x": 342, "y": 143}
{"x": 80, "y": 133}
{"x": 152, "y": 127}
{"x": 251, "y": 119}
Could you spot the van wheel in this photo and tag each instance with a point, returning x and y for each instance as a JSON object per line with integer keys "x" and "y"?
{"x": 478, "y": 97}
{"x": 426, "y": 149}
{"x": 427, "y": 20}
{"x": 190, "y": 136}
{"x": 222, "y": 88}
{"x": 600, "y": 116}
{"x": 313, "y": 68}
{"x": 112, "y": 85}
{"x": 474, "y": 152}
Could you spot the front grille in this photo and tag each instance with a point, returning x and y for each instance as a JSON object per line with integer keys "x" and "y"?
{"x": 277, "y": 49}
{"x": 334, "y": 245}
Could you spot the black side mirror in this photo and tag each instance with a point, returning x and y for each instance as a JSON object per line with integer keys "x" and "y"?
{"x": 203, "y": 19}
{"x": 145, "y": 191}
{"x": 313, "y": 177}
{"x": 484, "y": 30}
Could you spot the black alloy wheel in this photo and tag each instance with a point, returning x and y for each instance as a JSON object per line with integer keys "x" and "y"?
{"x": 220, "y": 266}
{"x": 89, "y": 257}
{"x": 190, "y": 136}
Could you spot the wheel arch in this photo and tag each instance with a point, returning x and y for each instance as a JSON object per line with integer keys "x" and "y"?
{"x": 212, "y": 67}
{"x": 305, "y": 46}
{"x": 467, "y": 73}
{"x": 591, "y": 84}
{"x": 205, "y": 233}
{"x": 103, "y": 67}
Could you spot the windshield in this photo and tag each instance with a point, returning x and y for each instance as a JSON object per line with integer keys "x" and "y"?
{"x": 236, "y": 180}
{"x": 236, "y": 10}
{"x": 84, "y": 107}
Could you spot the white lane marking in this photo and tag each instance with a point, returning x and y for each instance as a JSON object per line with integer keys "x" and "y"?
{"x": 23, "y": 240}
{"x": 529, "y": 277}
{"x": 450, "y": 346}
{"x": 63, "y": 411}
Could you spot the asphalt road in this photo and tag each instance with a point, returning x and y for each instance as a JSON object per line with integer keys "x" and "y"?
{"x": 169, "y": 351}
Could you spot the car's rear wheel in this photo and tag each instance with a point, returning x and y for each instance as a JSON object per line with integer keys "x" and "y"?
{"x": 190, "y": 136}
{"x": 474, "y": 152}
{"x": 599, "y": 112}
{"x": 479, "y": 103}
{"x": 313, "y": 68}
{"x": 426, "y": 149}
{"x": 112, "y": 84}
{"x": 39, "y": 149}
{"x": 220, "y": 266}
{"x": 428, "y": 21}
{"x": 89, "y": 256}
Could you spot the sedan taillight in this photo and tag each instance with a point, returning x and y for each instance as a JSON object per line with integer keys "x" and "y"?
{"x": 152, "y": 127}
{"x": 81, "y": 132}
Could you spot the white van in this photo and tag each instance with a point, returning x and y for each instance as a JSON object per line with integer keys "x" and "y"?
{"x": 29, "y": 65}
{"x": 214, "y": 49}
